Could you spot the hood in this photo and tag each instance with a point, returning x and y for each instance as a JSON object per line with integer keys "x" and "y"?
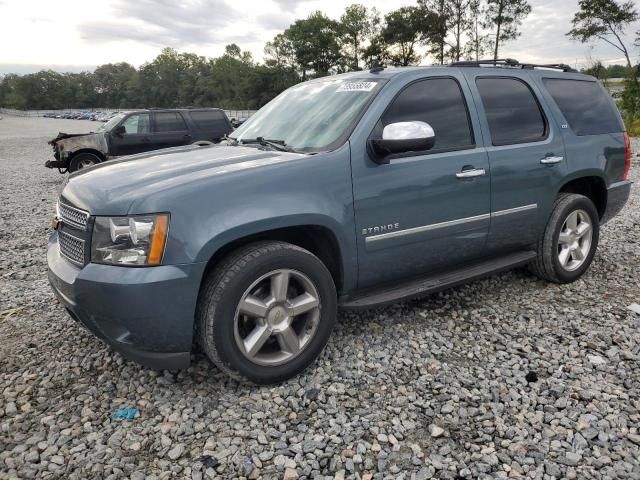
{"x": 62, "y": 136}
{"x": 76, "y": 141}
{"x": 111, "y": 188}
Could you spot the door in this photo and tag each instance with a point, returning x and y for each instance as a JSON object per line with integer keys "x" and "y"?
{"x": 424, "y": 211}
{"x": 526, "y": 154}
{"x": 136, "y": 137}
{"x": 169, "y": 130}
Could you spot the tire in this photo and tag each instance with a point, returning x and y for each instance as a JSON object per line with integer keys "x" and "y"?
{"x": 572, "y": 249}
{"x": 254, "y": 273}
{"x": 82, "y": 161}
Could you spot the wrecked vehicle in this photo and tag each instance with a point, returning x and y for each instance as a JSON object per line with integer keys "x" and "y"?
{"x": 138, "y": 131}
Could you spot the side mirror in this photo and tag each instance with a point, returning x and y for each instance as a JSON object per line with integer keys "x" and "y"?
{"x": 119, "y": 131}
{"x": 402, "y": 137}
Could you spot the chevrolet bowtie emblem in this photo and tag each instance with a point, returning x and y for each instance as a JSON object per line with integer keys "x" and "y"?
{"x": 55, "y": 223}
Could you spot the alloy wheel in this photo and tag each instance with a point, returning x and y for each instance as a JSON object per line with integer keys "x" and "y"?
{"x": 85, "y": 163}
{"x": 277, "y": 317}
{"x": 574, "y": 241}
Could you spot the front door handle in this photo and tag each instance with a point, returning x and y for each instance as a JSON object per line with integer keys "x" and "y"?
{"x": 475, "y": 172}
{"x": 551, "y": 160}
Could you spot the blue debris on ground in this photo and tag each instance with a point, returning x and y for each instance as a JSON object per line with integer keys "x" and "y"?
{"x": 124, "y": 414}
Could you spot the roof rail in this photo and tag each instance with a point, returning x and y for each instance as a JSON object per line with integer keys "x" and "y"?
{"x": 512, "y": 63}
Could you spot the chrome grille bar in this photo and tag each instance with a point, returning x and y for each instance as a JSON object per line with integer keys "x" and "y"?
{"x": 71, "y": 248}
{"x": 73, "y": 216}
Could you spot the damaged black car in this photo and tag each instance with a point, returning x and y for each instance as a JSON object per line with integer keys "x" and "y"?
{"x": 139, "y": 131}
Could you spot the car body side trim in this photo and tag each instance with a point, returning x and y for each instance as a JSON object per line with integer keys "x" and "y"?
{"x": 509, "y": 211}
{"x": 427, "y": 228}
{"x": 451, "y": 223}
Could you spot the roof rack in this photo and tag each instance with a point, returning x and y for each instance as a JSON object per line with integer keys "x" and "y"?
{"x": 512, "y": 63}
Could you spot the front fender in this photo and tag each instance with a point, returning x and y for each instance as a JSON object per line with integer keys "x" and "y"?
{"x": 209, "y": 212}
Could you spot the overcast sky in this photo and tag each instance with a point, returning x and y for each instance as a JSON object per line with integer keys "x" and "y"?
{"x": 75, "y": 35}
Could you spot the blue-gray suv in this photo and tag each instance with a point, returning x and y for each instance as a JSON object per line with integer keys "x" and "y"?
{"x": 348, "y": 191}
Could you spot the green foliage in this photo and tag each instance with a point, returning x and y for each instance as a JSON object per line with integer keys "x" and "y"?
{"x": 315, "y": 44}
{"x": 172, "y": 79}
{"x": 356, "y": 26}
{"x": 405, "y": 29}
{"x": 505, "y": 17}
{"x": 606, "y": 20}
{"x": 440, "y": 11}
{"x": 632, "y": 126}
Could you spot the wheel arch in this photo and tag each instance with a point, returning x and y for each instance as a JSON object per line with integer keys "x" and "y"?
{"x": 318, "y": 239}
{"x": 91, "y": 151}
{"x": 592, "y": 186}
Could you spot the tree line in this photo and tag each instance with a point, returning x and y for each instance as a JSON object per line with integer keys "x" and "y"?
{"x": 440, "y": 30}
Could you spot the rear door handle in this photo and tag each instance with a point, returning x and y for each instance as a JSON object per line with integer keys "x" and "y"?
{"x": 551, "y": 160}
{"x": 475, "y": 172}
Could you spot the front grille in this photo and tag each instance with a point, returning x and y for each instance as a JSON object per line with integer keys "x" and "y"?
{"x": 73, "y": 216}
{"x": 71, "y": 248}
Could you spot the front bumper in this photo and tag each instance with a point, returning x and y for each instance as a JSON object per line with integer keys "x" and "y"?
{"x": 146, "y": 314}
{"x": 617, "y": 197}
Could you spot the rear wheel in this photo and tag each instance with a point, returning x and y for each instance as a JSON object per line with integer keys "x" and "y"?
{"x": 82, "y": 161}
{"x": 266, "y": 312}
{"x": 570, "y": 240}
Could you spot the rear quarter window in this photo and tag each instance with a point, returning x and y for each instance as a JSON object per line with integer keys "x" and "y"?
{"x": 209, "y": 119}
{"x": 585, "y": 105}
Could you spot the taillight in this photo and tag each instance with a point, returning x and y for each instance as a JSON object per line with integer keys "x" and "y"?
{"x": 627, "y": 156}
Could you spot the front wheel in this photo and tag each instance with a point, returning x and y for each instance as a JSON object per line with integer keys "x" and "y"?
{"x": 266, "y": 312}
{"x": 81, "y": 161}
{"x": 570, "y": 240}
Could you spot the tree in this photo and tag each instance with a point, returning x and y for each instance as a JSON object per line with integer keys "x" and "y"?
{"x": 315, "y": 44}
{"x": 355, "y": 28}
{"x": 505, "y": 17}
{"x": 405, "y": 29}
{"x": 606, "y": 20}
{"x": 459, "y": 22}
{"x": 478, "y": 43}
{"x": 280, "y": 53}
{"x": 111, "y": 82}
{"x": 437, "y": 13}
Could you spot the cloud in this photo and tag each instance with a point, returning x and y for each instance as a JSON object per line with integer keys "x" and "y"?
{"x": 275, "y": 21}
{"x": 162, "y": 22}
{"x": 290, "y": 5}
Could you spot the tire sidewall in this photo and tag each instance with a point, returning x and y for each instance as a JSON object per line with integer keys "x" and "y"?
{"x": 224, "y": 336}
{"x": 73, "y": 163}
{"x": 579, "y": 203}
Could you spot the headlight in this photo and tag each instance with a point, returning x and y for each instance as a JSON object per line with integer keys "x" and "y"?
{"x": 135, "y": 240}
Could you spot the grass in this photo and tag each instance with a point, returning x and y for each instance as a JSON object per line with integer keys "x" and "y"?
{"x": 633, "y": 127}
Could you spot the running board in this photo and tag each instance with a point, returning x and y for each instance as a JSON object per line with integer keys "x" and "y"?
{"x": 434, "y": 283}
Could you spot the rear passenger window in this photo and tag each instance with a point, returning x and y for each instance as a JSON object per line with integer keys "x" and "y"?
{"x": 585, "y": 105}
{"x": 513, "y": 112}
{"x": 439, "y": 102}
{"x": 208, "y": 119}
{"x": 169, "y": 122}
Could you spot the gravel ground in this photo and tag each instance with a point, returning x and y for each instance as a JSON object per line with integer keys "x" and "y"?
{"x": 505, "y": 377}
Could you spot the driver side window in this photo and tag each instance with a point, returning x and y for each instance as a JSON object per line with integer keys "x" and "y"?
{"x": 438, "y": 102}
{"x": 139, "y": 123}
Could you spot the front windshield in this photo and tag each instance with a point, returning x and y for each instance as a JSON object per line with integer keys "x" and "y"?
{"x": 106, "y": 127}
{"x": 310, "y": 116}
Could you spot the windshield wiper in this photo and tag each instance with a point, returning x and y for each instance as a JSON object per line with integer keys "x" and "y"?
{"x": 274, "y": 144}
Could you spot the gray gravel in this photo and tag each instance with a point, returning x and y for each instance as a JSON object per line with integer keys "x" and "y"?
{"x": 505, "y": 377}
